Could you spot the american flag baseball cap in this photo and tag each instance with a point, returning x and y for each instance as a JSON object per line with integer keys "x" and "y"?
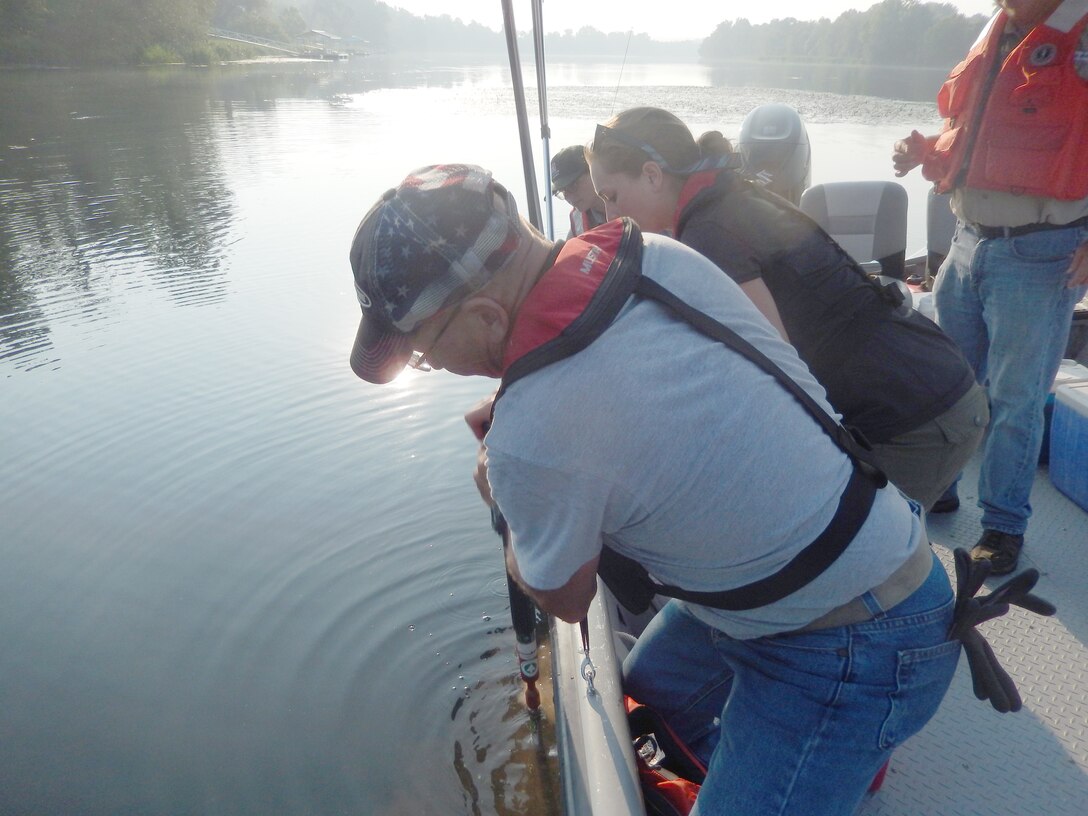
{"x": 427, "y": 244}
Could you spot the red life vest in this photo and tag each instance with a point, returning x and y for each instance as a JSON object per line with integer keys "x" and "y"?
{"x": 693, "y": 185}
{"x": 1017, "y": 125}
{"x": 565, "y": 290}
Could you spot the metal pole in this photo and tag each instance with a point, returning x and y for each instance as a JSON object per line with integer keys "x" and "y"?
{"x": 531, "y": 191}
{"x": 542, "y": 98}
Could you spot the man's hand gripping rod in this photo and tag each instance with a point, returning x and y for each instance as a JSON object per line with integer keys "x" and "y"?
{"x": 522, "y": 610}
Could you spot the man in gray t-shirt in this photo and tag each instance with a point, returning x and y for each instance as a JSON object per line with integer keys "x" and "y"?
{"x": 683, "y": 455}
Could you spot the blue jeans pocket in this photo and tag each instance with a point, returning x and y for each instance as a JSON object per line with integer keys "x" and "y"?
{"x": 922, "y": 678}
{"x": 1046, "y": 247}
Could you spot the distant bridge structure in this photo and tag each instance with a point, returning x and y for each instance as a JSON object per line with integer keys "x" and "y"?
{"x": 253, "y": 39}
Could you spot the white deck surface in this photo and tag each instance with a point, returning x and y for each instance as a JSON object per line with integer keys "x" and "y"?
{"x": 972, "y": 760}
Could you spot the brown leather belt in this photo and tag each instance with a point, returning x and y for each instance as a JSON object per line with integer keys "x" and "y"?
{"x": 899, "y": 586}
{"x": 982, "y": 231}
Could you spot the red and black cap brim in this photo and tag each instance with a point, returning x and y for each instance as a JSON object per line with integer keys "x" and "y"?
{"x": 379, "y": 353}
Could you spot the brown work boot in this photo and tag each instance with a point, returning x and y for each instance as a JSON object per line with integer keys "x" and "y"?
{"x": 1002, "y": 550}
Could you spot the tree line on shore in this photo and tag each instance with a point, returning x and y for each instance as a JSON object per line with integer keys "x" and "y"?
{"x": 894, "y": 32}
{"x": 126, "y": 32}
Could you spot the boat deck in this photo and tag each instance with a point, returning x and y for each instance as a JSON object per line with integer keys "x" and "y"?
{"x": 972, "y": 760}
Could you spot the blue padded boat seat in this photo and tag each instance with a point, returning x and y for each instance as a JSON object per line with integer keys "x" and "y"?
{"x": 866, "y": 218}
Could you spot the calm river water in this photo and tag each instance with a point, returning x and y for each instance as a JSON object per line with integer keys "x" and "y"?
{"x": 234, "y": 579}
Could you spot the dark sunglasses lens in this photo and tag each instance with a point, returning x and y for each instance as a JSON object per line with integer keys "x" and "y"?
{"x": 598, "y": 134}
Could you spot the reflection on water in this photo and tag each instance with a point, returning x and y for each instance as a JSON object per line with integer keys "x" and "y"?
{"x": 236, "y": 580}
{"x": 108, "y": 182}
{"x": 115, "y": 179}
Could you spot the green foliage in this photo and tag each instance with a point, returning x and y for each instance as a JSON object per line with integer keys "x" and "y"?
{"x": 202, "y": 54}
{"x": 102, "y": 32}
{"x": 253, "y": 18}
{"x": 292, "y": 22}
{"x": 20, "y": 22}
{"x": 225, "y": 51}
{"x": 894, "y": 32}
{"x": 213, "y": 52}
{"x": 159, "y": 55}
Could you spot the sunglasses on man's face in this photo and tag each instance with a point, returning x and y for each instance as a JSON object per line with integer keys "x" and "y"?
{"x": 419, "y": 360}
{"x": 568, "y": 191}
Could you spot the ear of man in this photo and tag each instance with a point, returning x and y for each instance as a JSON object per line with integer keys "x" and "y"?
{"x": 488, "y": 322}
{"x": 490, "y": 316}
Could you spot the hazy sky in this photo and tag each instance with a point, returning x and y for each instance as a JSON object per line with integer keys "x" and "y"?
{"x": 685, "y": 19}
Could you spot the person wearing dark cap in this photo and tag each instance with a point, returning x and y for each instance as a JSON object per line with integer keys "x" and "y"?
{"x": 701, "y": 449}
{"x": 571, "y": 182}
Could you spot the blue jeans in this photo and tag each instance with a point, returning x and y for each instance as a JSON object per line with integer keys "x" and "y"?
{"x": 1005, "y": 303}
{"x": 797, "y": 723}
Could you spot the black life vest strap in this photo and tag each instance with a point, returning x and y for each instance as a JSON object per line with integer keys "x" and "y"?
{"x": 616, "y": 288}
{"x": 631, "y": 582}
{"x": 632, "y": 585}
{"x": 850, "y": 441}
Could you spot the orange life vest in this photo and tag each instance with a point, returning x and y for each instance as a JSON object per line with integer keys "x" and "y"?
{"x": 1017, "y": 125}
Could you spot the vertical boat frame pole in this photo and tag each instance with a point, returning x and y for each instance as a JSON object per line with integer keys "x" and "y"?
{"x": 532, "y": 193}
{"x": 542, "y": 97}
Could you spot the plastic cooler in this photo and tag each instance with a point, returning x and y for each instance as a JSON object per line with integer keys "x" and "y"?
{"x": 1069, "y": 442}
{"x": 1069, "y": 372}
